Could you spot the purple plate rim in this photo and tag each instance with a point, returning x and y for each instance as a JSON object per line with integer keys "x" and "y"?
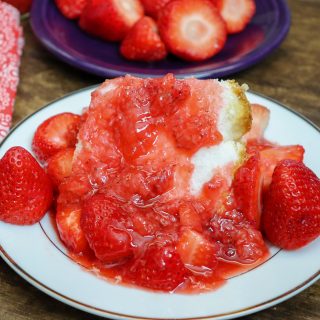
{"x": 247, "y": 61}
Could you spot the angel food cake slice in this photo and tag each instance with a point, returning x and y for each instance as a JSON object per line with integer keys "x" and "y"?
{"x": 151, "y": 182}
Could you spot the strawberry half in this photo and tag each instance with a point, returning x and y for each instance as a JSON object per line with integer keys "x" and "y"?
{"x": 56, "y": 133}
{"x": 68, "y": 222}
{"x": 110, "y": 19}
{"x": 104, "y": 223}
{"x": 160, "y": 267}
{"x": 260, "y": 121}
{"x": 237, "y": 14}
{"x": 291, "y": 213}
{"x": 60, "y": 165}
{"x": 71, "y": 9}
{"x": 143, "y": 43}
{"x": 25, "y": 188}
{"x": 270, "y": 157}
{"x": 153, "y": 7}
{"x": 193, "y": 29}
{"x": 195, "y": 250}
{"x": 247, "y": 186}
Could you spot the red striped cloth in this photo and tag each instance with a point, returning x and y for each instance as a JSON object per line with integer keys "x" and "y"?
{"x": 11, "y": 43}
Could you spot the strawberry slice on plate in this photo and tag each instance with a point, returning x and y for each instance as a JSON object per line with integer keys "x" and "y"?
{"x": 105, "y": 223}
{"x": 291, "y": 213}
{"x": 247, "y": 186}
{"x": 192, "y": 30}
{"x": 160, "y": 267}
{"x": 71, "y": 9}
{"x": 68, "y": 219}
{"x": 60, "y": 165}
{"x": 195, "y": 250}
{"x": 143, "y": 43}
{"x": 56, "y": 133}
{"x": 110, "y": 19}
{"x": 25, "y": 188}
{"x": 237, "y": 14}
{"x": 260, "y": 121}
{"x": 270, "y": 157}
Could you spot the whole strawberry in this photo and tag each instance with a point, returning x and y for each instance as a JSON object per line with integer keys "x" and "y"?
{"x": 143, "y": 43}
{"x": 25, "y": 189}
{"x": 291, "y": 213}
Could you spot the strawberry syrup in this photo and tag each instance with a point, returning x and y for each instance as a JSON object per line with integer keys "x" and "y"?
{"x": 136, "y": 157}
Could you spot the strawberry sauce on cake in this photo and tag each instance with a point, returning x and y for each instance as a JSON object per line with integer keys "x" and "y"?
{"x": 151, "y": 184}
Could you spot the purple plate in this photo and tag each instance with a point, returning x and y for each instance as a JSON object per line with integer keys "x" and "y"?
{"x": 69, "y": 43}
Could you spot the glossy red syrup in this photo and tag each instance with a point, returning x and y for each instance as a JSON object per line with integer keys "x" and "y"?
{"x": 131, "y": 177}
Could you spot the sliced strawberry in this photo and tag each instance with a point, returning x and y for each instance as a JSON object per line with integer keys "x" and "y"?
{"x": 260, "y": 121}
{"x": 143, "y": 43}
{"x": 291, "y": 213}
{"x": 105, "y": 224}
{"x": 254, "y": 146}
{"x": 60, "y": 165}
{"x": 25, "y": 188}
{"x": 270, "y": 157}
{"x": 247, "y": 186}
{"x": 56, "y": 133}
{"x": 153, "y": 7}
{"x": 68, "y": 222}
{"x": 110, "y": 19}
{"x": 195, "y": 250}
{"x": 160, "y": 268}
{"x": 71, "y": 9}
{"x": 189, "y": 217}
{"x": 237, "y": 14}
{"x": 192, "y": 30}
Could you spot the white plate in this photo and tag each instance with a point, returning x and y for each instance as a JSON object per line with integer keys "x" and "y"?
{"x": 38, "y": 256}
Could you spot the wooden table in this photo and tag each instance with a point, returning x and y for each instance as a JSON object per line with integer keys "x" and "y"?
{"x": 291, "y": 75}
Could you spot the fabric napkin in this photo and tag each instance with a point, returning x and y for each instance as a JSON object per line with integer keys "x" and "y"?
{"x": 11, "y": 44}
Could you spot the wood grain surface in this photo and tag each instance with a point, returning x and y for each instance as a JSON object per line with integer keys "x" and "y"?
{"x": 291, "y": 75}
